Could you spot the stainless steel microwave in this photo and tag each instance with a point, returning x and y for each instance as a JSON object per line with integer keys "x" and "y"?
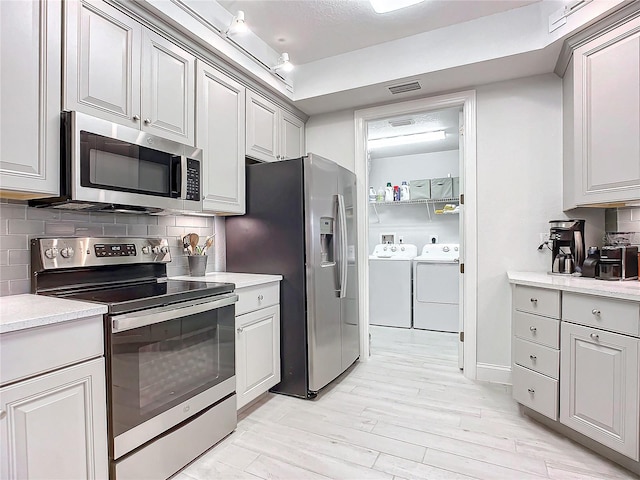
{"x": 110, "y": 167}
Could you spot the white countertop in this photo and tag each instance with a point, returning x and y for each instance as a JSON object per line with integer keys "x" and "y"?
{"x": 18, "y": 312}
{"x": 240, "y": 279}
{"x": 627, "y": 290}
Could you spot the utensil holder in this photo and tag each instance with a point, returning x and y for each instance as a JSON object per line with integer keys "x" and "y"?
{"x": 197, "y": 265}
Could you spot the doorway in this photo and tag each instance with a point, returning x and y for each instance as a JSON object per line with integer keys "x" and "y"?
{"x": 463, "y": 102}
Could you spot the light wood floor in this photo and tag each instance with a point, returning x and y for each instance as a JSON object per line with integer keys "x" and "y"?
{"x": 408, "y": 413}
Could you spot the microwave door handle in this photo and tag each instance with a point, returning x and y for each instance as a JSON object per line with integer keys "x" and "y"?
{"x": 152, "y": 316}
{"x": 176, "y": 176}
{"x": 183, "y": 177}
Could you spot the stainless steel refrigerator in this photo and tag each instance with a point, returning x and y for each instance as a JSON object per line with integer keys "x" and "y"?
{"x": 301, "y": 223}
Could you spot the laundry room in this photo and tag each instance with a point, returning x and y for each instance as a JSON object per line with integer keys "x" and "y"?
{"x": 414, "y": 231}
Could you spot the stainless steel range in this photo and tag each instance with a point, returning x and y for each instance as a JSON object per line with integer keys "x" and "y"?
{"x": 169, "y": 348}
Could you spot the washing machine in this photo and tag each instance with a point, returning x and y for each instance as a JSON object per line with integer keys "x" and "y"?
{"x": 435, "y": 287}
{"x": 390, "y": 270}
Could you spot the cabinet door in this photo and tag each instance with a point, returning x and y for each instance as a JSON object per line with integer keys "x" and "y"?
{"x": 607, "y": 122}
{"x": 599, "y": 386}
{"x": 30, "y": 43}
{"x": 102, "y": 62}
{"x": 168, "y": 89}
{"x": 221, "y": 127}
{"x": 262, "y": 128}
{"x": 257, "y": 353}
{"x": 54, "y": 425}
{"x": 291, "y": 136}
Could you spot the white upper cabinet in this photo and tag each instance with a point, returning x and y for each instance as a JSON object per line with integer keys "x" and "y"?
{"x": 221, "y": 136}
{"x": 168, "y": 93}
{"x": 603, "y": 86}
{"x": 117, "y": 70}
{"x": 291, "y": 136}
{"x": 272, "y": 133}
{"x": 30, "y": 46}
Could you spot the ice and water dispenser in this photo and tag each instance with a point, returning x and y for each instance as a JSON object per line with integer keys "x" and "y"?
{"x": 326, "y": 241}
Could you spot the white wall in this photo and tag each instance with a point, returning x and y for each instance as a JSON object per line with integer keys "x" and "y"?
{"x": 519, "y": 184}
{"x": 332, "y": 135}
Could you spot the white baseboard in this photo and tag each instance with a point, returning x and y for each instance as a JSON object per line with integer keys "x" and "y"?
{"x": 488, "y": 372}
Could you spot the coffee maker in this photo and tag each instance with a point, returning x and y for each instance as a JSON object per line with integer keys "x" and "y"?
{"x": 567, "y": 240}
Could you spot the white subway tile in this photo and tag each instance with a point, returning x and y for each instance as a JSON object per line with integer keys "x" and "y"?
{"x": 137, "y": 231}
{"x": 19, "y": 257}
{"x": 17, "y": 287}
{"x": 11, "y": 242}
{"x": 34, "y": 227}
{"x": 156, "y": 230}
{"x": 14, "y": 272}
{"x": 43, "y": 214}
{"x": 9, "y": 210}
{"x": 114, "y": 230}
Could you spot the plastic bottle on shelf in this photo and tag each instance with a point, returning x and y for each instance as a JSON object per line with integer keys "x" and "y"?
{"x": 380, "y": 196}
{"x": 404, "y": 191}
{"x": 372, "y": 195}
{"x": 388, "y": 193}
{"x": 396, "y": 193}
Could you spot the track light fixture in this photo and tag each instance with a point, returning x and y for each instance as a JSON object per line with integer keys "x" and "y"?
{"x": 283, "y": 63}
{"x": 237, "y": 24}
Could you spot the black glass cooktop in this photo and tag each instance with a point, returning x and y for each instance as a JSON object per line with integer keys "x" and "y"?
{"x": 151, "y": 294}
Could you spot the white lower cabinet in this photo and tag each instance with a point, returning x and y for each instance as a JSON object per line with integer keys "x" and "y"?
{"x": 53, "y": 426}
{"x": 257, "y": 341}
{"x": 599, "y": 386}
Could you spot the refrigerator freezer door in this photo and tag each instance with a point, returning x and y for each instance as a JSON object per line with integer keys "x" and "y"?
{"x": 323, "y": 306}
{"x": 349, "y": 322}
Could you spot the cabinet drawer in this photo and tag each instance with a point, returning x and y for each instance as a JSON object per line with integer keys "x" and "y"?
{"x": 537, "y": 357}
{"x": 258, "y": 296}
{"x": 536, "y": 391}
{"x": 540, "y": 301}
{"x": 542, "y": 330}
{"x": 601, "y": 312}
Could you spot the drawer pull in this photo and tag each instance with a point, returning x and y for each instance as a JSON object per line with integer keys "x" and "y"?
{"x": 533, "y": 300}
{"x": 596, "y": 312}
{"x": 260, "y": 297}
{"x": 533, "y": 357}
{"x": 240, "y": 329}
{"x": 595, "y": 336}
{"x": 533, "y": 329}
{"x": 531, "y": 391}
{"x": 2, "y": 414}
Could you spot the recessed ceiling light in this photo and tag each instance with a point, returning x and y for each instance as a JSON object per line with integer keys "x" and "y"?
{"x": 385, "y": 6}
{"x": 406, "y": 139}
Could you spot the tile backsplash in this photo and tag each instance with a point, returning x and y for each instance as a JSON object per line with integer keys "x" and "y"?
{"x": 19, "y": 223}
{"x": 628, "y": 219}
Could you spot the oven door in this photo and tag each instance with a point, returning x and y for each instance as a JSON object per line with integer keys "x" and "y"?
{"x": 167, "y": 364}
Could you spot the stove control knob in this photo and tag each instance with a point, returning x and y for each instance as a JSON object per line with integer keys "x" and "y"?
{"x": 146, "y": 249}
{"x": 156, "y": 250}
{"x": 67, "y": 252}
{"x": 51, "y": 252}
{"x": 164, "y": 249}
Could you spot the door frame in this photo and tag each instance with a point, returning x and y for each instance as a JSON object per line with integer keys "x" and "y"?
{"x": 469, "y": 233}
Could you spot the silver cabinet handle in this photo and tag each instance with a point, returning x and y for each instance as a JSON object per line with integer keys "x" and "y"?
{"x": 533, "y": 329}
{"x": 2, "y": 414}
{"x": 595, "y": 336}
{"x": 531, "y": 391}
{"x": 533, "y": 357}
{"x": 260, "y": 297}
{"x": 534, "y": 300}
{"x": 147, "y": 121}
{"x": 136, "y": 117}
{"x": 595, "y": 312}
{"x": 240, "y": 329}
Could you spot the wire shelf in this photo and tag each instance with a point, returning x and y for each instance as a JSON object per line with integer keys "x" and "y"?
{"x": 420, "y": 201}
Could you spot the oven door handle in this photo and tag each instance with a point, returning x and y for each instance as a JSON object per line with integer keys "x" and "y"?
{"x": 152, "y": 316}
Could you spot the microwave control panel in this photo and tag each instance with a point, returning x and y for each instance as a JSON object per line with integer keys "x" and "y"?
{"x": 193, "y": 180}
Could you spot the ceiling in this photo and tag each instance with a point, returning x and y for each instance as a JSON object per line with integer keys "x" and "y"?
{"x": 310, "y": 30}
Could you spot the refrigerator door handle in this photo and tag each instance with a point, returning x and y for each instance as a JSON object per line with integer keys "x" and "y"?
{"x": 342, "y": 222}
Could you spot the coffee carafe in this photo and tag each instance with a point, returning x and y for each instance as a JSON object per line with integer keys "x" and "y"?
{"x": 567, "y": 239}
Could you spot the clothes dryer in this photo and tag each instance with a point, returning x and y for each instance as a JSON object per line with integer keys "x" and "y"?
{"x": 390, "y": 284}
{"x": 435, "y": 287}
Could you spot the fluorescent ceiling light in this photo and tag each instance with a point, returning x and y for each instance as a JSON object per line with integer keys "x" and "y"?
{"x": 385, "y": 6}
{"x": 406, "y": 139}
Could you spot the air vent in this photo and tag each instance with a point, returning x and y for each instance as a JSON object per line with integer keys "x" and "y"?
{"x": 401, "y": 123}
{"x": 405, "y": 87}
